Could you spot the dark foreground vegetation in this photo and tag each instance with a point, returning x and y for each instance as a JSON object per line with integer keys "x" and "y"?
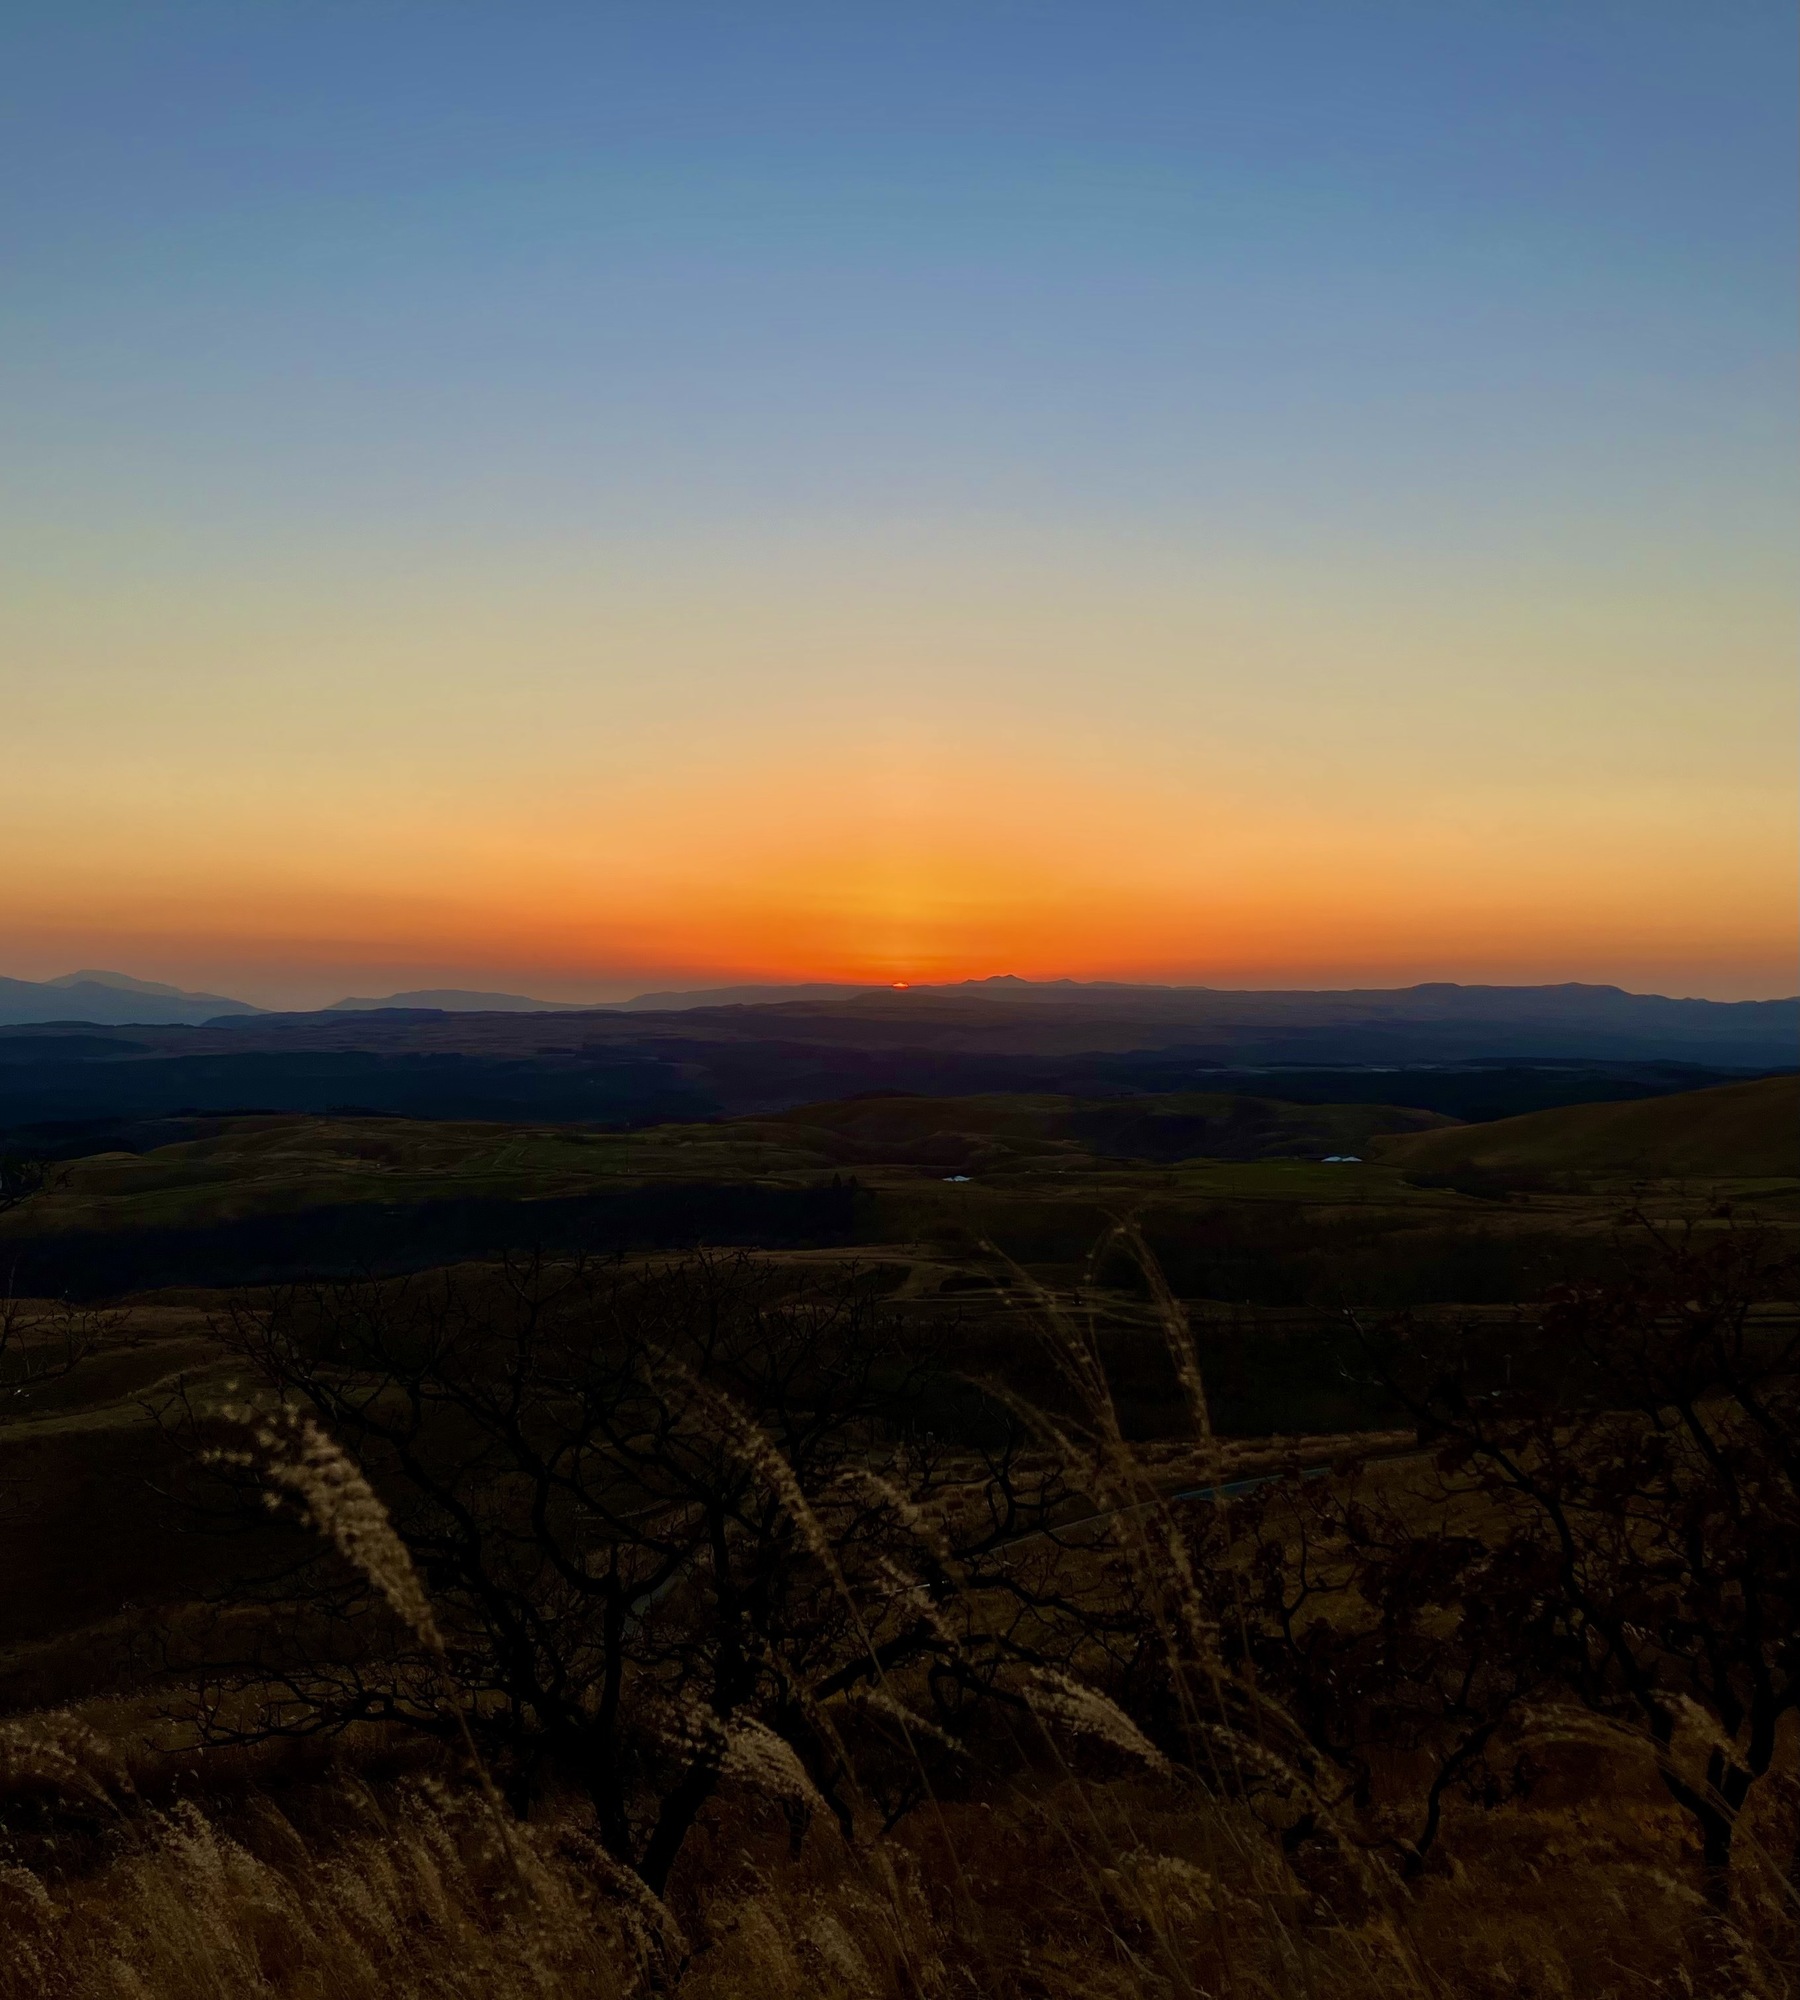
{"x": 1116, "y": 1572}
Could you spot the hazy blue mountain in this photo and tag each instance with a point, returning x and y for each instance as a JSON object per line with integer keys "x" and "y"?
{"x": 110, "y": 999}
{"x": 1439, "y": 1020}
{"x": 1018, "y": 1020}
{"x": 454, "y": 1000}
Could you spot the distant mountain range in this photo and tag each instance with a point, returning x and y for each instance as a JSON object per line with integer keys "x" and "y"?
{"x": 453, "y": 1000}
{"x": 1466, "y": 1052}
{"x": 1439, "y": 1001}
{"x": 110, "y": 999}
{"x": 1436, "y": 1022}
{"x": 116, "y": 1000}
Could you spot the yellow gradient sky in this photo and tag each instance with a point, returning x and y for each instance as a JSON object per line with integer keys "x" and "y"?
{"x": 915, "y": 766}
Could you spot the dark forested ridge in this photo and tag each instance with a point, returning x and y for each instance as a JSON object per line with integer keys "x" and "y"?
{"x": 363, "y": 1239}
{"x": 1468, "y": 1053}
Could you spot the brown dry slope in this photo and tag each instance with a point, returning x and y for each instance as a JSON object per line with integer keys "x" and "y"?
{"x": 1739, "y": 1130}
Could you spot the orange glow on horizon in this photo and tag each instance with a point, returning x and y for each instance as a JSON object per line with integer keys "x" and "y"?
{"x": 1251, "y": 804}
{"x": 926, "y": 870}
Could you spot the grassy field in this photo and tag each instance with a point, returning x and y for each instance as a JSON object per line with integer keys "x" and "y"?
{"x": 135, "y": 1862}
{"x": 245, "y": 1165}
{"x": 937, "y": 1159}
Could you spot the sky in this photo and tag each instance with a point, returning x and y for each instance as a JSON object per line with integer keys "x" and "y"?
{"x": 577, "y": 498}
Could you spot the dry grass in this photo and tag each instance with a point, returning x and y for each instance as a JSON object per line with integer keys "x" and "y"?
{"x": 412, "y": 1894}
{"x": 1059, "y": 1887}
{"x": 1094, "y": 1871}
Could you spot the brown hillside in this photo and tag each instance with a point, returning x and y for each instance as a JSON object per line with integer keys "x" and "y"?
{"x": 1743, "y": 1130}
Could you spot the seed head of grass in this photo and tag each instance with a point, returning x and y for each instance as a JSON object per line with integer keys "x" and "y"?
{"x": 315, "y": 1473}
{"x": 1060, "y": 1701}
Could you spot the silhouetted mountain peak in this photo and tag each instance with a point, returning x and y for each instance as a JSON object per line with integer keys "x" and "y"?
{"x": 111, "y": 999}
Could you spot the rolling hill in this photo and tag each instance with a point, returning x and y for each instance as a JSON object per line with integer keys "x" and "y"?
{"x": 1738, "y": 1129}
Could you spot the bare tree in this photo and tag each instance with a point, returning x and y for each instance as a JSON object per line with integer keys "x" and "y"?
{"x": 670, "y": 1517}
{"x": 42, "y": 1340}
{"x": 1380, "y": 1622}
{"x": 1647, "y": 1478}
{"x": 22, "y": 1178}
